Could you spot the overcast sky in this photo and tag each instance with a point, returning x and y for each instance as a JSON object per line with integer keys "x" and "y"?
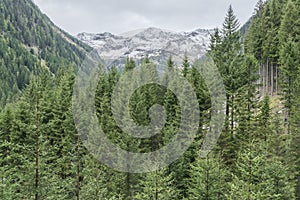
{"x": 118, "y": 16}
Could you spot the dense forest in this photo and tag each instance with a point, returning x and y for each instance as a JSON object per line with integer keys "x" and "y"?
{"x": 257, "y": 155}
{"x": 30, "y": 43}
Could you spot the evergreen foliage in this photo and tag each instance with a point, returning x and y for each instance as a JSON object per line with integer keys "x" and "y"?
{"x": 257, "y": 157}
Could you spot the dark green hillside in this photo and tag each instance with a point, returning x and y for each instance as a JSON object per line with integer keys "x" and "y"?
{"x": 29, "y": 41}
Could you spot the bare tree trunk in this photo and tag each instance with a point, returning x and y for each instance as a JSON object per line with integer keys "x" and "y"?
{"x": 37, "y": 147}
{"x": 128, "y": 185}
{"x": 78, "y": 168}
{"x": 276, "y": 79}
{"x": 156, "y": 185}
{"x": 250, "y": 175}
{"x": 263, "y": 80}
{"x": 78, "y": 182}
{"x": 272, "y": 80}
{"x": 260, "y": 80}
{"x": 37, "y": 165}
{"x": 207, "y": 179}
{"x": 267, "y": 77}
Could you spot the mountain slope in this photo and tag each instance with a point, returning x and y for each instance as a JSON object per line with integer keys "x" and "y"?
{"x": 30, "y": 42}
{"x": 157, "y": 43}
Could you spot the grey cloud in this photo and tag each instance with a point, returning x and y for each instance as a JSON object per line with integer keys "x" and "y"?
{"x": 123, "y": 15}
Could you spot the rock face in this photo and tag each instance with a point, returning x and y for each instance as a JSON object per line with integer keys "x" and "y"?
{"x": 158, "y": 44}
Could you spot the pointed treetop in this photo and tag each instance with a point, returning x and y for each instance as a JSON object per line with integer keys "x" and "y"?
{"x": 231, "y": 23}
{"x": 130, "y": 64}
{"x": 147, "y": 60}
{"x": 259, "y": 7}
{"x": 215, "y": 39}
{"x": 185, "y": 65}
{"x": 170, "y": 63}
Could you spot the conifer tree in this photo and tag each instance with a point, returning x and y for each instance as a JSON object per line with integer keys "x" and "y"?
{"x": 289, "y": 65}
{"x": 231, "y": 66}
{"x": 258, "y": 177}
{"x": 289, "y": 55}
{"x": 185, "y": 65}
{"x": 295, "y": 137}
{"x": 208, "y": 178}
{"x": 157, "y": 185}
{"x": 129, "y": 65}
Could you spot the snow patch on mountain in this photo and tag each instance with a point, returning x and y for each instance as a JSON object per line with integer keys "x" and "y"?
{"x": 157, "y": 43}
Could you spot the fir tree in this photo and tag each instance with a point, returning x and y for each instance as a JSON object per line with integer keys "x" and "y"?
{"x": 208, "y": 178}
{"x": 157, "y": 185}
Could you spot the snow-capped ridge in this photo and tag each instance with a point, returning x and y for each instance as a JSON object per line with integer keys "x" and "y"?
{"x": 158, "y": 43}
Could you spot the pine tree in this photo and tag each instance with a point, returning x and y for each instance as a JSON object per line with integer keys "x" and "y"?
{"x": 289, "y": 56}
{"x": 255, "y": 34}
{"x": 295, "y": 138}
{"x": 289, "y": 26}
{"x": 170, "y": 63}
{"x": 94, "y": 185}
{"x": 129, "y": 65}
{"x": 157, "y": 185}
{"x": 208, "y": 178}
{"x": 231, "y": 23}
{"x": 264, "y": 124}
{"x": 232, "y": 68}
{"x": 258, "y": 177}
{"x": 289, "y": 65}
{"x": 185, "y": 65}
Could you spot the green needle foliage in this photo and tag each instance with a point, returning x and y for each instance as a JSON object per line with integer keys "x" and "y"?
{"x": 257, "y": 156}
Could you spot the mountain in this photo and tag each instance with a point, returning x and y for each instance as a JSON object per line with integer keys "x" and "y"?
{"x": 31, "y": 43}
{"x": 157, "y": 43}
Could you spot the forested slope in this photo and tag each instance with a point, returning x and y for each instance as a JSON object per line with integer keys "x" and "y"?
{"x": 30, "y": 42}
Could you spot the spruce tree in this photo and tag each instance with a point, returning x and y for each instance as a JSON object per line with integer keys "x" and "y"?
{"x": 289, "y": 56}
{"x": 295, "y": 137}
{"x": 157, "y": 185}
{"x": 231, "y": 66}
{"x": 208, "y": 178}
{"x": 259, "y": 177}
{"x": 185, "y": 65}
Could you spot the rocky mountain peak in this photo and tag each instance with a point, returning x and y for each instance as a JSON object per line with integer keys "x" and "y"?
{"x": 157, "y": 43}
